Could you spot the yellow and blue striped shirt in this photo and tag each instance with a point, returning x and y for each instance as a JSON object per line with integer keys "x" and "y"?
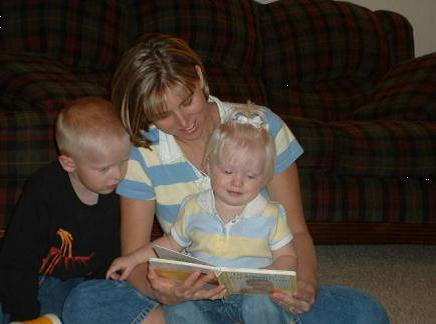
{"x": 245, "y": 242}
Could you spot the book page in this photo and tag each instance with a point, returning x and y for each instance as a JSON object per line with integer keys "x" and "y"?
{"x": 257, "y": 281}
{"x": 165, "y": 253}
{"x": 180, "y": 271}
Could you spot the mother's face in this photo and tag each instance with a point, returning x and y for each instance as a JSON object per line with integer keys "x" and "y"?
{"x": 185, "y": 117}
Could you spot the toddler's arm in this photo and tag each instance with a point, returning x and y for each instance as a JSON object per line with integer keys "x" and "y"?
{"x": 284, "y": 258}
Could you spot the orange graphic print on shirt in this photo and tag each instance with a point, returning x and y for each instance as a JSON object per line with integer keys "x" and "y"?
{"x": 63, "y": 255}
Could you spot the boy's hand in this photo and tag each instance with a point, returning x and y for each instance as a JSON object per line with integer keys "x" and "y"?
{"x": 300, "y": 301}
{"x": 170, "y": 292}
{"x": 123, "y": 265}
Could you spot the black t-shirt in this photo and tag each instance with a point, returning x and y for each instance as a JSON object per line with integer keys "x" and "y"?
{"x": 53, "y": 233}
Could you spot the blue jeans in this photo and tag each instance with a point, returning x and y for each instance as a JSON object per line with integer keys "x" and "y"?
{"x": 106, "y": 301}
{"x": 334, "y": 304}
{"x": 109, "y": 301}
{"x": 51, "y": 295}
{"x": 232, "y": 309}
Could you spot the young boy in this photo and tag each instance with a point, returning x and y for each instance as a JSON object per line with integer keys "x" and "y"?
{"x": 65, "y": 228}
{"x": 232, "y": 224}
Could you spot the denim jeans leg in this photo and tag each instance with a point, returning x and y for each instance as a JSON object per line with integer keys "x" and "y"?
{"x": 4, "y": 318}
{"x": 53, "y": 292}
{"x": 202, "y": 312}
{"x": 106, "y": 301}
{"x": 343, "y": 305}
{"x": 260, "y": 309}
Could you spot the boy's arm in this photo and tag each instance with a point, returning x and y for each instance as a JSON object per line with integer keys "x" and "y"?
{"x": 21, "y": 256}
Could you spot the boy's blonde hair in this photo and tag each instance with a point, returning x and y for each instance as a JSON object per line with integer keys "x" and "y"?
{"x": 155, "y": 64}
{"x": 84, "y": 124}
{"x": 244, "y": 129}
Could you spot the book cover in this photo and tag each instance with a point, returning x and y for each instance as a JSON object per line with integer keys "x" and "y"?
{"x": 179, "y": 266}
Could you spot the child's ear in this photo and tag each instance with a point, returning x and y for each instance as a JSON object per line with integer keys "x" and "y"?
{"x": 67, "y": 163}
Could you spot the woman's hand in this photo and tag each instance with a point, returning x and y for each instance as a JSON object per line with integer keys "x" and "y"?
{"x": 300, "y": 301}
{"x": 170, "y": 292}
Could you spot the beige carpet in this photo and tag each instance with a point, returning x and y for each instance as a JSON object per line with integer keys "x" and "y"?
{"x": 401, "y": 277}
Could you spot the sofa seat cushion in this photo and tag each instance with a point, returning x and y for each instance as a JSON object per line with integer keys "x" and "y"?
{"x": 366, "y": 199}
{"x": 385, "y": 148}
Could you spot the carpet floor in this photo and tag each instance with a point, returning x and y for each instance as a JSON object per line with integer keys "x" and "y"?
{"x": 401, "y": 277}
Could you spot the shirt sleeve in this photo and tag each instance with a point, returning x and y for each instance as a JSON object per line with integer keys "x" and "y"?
{"x": 136, "y": 183}
{"x": 287, "y": 147}
{"x": 281, "y": 234}
{"x": 21, "y": 255}
{"x": 178, "y": 230}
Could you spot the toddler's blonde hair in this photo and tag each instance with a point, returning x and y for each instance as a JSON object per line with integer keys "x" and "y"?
{"x": 244, "y": 129}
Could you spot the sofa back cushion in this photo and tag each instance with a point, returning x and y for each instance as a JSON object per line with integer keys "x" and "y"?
{"x": 224, "y": 33}
{"x": 310, "y": 42}
{"x": 79, "y": 33}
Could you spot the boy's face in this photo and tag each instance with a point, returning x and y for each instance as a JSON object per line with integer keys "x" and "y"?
{"x": 237, "y": 178}
{"x": 101, "y": 170}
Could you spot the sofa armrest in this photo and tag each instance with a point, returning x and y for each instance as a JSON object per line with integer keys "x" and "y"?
{"x": 399, "y": 32}
{"x": 407, "y": 92}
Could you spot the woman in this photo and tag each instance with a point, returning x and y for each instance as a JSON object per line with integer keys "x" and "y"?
{"x": 162, "y": 93}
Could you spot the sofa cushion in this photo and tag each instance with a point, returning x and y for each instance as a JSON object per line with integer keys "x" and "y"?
{"x": 385, "y": 148}
{"x": 232, "y": 85}
{"x": 355, "y": 200}
{"x": 325, "y": 100}
{"x": 406, "y": 93}
{"x": 35, "y": 89}
{"x": 79, "y": 33}
{"x": 221, "y": 31}
{"x": 317, "y": 140}
{"x": 321, "y": 54}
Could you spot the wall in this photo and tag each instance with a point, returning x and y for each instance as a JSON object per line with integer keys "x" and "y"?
{"x": 421, "y": 14}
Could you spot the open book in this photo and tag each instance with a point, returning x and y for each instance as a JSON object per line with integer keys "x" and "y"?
{"x": 179, "y": 266}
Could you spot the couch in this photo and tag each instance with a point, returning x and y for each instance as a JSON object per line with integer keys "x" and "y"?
{"x": 343, "y": 77}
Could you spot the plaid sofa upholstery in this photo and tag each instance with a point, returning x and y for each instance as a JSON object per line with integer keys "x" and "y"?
{"x": 344, "y": 78}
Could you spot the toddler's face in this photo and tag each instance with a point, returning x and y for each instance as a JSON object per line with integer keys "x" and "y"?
{"x": 238, "y": 178}
{"x": 100, "y": 171}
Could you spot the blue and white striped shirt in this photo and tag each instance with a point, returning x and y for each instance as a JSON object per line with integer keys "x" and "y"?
{"x": 164, "y": 174}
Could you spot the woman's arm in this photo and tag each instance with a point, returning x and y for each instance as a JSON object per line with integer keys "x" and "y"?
{"x": 136, "y": 223}
{"x": 137, "y": 218}
{"x": 285, "y": 189}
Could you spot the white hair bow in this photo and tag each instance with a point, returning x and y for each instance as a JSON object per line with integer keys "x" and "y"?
{"x": 256, "y": 120}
